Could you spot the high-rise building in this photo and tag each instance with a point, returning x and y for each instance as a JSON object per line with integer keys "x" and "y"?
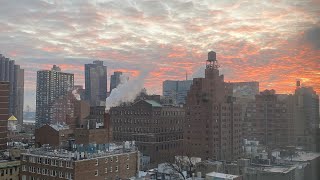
{"x": 96, "y": 83}
{"x": 176, "y": 90}
{"x": 156, "y": 129}
{"x": 4, "y": 113}
{"x": 306, "y": 117}
{"x": 51, "y": 84}
{"x": 63, "y": 107}
{"x": 12, "y": 73}
{"x": 269, "y": 119}
{"x": 213, "y": 119}
{"x": 115, "y": 80}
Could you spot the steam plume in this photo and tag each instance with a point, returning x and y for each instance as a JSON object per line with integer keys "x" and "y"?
{"x": 76, "y": 94}
{"x": 126, "y": 91}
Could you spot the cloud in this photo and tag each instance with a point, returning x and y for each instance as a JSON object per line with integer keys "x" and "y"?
{"x": 312, "y": 36}
{"x": 274, "y": 42}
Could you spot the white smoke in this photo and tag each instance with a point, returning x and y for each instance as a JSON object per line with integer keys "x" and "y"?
{"x": 76, "y": 94}
{"x": 126, "y": 91}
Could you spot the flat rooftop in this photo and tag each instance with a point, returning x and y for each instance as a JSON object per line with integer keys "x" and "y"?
{"x": 222, "y": 175}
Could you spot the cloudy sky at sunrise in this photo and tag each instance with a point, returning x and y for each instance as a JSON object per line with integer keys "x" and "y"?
{"x": 274, "y": 42}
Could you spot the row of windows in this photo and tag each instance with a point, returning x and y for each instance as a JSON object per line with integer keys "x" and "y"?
{"x": 110, "y": 169}
{"x": 147, "y": 121}
{"x": 9, "y": 171}
{"x": 47, "y": 172}
{"x": 47, "y": 161}
{"x": 164, "y": 113}
{"x": 111, "y": 159}
{"x": 146, "y": 130}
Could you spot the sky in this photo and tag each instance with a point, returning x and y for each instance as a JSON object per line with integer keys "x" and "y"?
{"x": 274, "y": 42}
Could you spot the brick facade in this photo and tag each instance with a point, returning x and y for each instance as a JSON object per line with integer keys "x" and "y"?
{"x": 157, "y": 130}
{"x": 213, "y": 118}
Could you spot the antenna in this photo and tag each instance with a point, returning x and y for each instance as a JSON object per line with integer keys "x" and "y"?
{"x": 186, "y": 75}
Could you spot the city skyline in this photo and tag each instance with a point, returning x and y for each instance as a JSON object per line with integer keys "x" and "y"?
{"x": 274, "y": 43}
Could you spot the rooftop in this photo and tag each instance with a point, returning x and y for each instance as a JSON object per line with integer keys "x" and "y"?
{"x": 59, "y": 127}
{"x": 75, "y": 155}
{"x": 279, "y": 169}
{"x": 153, "y": 103}
{"x": 221, "y": 175}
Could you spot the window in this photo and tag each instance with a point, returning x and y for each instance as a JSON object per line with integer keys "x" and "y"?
{"x": 96, "y": 173}
{"x": 97, "y": 162}
{"x": 116, "y": 158}
{"x": 60, "y": 174}
{"x": 106, "y": 160}
{"x": 128, "y": 156}
{"x": 39, "y": 170}
{"x": 39, "y": 160}
{"x": 116, "y": 169}
{"x": 106, "y": 170}
{"x": 110, "y": 169}
{"x": 111, "y": 159}
{"x": 66, "y": 175}
{"x": 61, "y": 163}
{"x": 24, "y": 168}
{"x": 68, "y": 164}
{"x": 127, "y": 166}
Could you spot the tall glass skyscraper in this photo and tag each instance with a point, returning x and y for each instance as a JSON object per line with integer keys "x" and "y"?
{"x": 115, "y": 80}
{"x": 96, "y": 83}
{"x": 176, "y": 90}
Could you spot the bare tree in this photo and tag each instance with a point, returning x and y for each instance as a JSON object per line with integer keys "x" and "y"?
{"x": 182, "y": 164}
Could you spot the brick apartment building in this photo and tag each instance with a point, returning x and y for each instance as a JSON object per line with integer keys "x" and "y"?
{"x": 213, "y": 119}
{"x": 87, "y": 136}
{"x": 4, "y": 114}
{"x": 157, "y": 129}
{"x": 47, "y": 164}
{"x": 56, "y": 135}
{"x": 60, "y": 135}
{"x": 269, "y": 119}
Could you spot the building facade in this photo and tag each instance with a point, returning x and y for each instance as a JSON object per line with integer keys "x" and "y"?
{"x": 11, "y": 72}
{"x": 51, "y": 84}
{"x": 9, "y": 170}
{"x": 4, "y": 114}
{"x": 269, "y": 119}
{"x": 176, "y": 90}
{"x": 96, "y": 83}
{"x": 213, "y": 119}
{"x": 306, "y": 117}
{"x": 63, "y": 107}
{"x": 49, "y": 164}
{"x": 115, "y": 80}
{"x": 156, "y": 129}
{"x": 54, "y": 135}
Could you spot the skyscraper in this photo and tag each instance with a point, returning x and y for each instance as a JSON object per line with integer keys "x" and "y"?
{"x": 12, "y": 73}
{"x": 213, "y": 119}
{"x": 4, "y": 113}
{"x": 306, "y": 117}
{"x": 96, "y": 83}
{"x": 115, "y": 80}
{"x": 51, "y": 84}
{"x": 176, "y": 90}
